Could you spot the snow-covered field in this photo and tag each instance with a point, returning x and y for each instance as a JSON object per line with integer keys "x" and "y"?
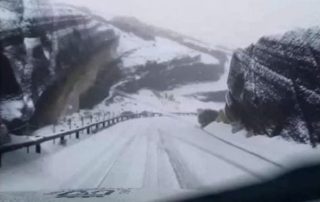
{"x": 160, "y": 153}
{"x": 139, "y": 51}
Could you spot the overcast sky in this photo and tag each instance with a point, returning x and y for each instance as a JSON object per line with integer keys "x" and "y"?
{"x": 232, "y": 23}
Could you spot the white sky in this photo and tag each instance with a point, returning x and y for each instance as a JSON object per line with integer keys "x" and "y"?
{"x": 232, "y": 23}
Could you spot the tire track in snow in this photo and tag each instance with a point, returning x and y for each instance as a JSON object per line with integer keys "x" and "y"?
{"x": 115, "y": 160}
{"x": 93, "y": 167}
{"x": 185, "y": 177}
{"x": 222, "y": 158}
{"x": 75, "y": 180}
{"x": 236, "y": 146}
{"x": 246, "y": 150}
{"x": 150, "y": 175}
{"x": 159, "y": 172}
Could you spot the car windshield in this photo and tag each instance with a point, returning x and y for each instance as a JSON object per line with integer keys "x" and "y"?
{"x": 156, "y": 99}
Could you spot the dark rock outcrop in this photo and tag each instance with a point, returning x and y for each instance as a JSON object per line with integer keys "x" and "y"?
{"x": 49, "y": 55}
{"x": 207, "y": 116}
{"x": 217, "y": 96}
{"x": 57, "y": 59}
{"x": 4, "y": 134}
{"x": 274, "y": 86}
{"x": 168, "y": 75}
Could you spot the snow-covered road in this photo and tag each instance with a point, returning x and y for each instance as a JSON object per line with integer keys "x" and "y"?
{"x": 162, "y": 152}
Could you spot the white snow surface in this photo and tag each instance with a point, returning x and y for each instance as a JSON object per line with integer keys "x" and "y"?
{"x": 277, "y": 148}
{"x": 148, "y": 100}
{"x": 139, "y": 51}
{"x": 177, "y": 104}
{"x": 158, "y": 153}
{"x": 11, "y": 109}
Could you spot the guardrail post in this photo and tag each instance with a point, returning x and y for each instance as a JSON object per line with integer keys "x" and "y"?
{"x": 62, "y": 140}
{"x": 0, "y": 160}
{"x": 28, "y": 149}
{"x": 88, "y": 130}
{"x": 77, "y": 134}
{"x": 38, "y": 148}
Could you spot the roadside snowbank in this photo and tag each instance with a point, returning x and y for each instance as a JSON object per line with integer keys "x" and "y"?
{"x": 277, "y": 148}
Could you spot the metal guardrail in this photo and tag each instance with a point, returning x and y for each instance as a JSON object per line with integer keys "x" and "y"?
{"x": 186, "y": 114}
{"x": 89, "y": 129}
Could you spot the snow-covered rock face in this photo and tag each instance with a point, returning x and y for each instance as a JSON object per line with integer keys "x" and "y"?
{"x": 274, "y": 86}
{"x": 43, "y": 50}
{"x": 57, "y": 59}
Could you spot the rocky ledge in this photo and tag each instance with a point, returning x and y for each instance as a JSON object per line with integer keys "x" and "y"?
{"x": 49, "y": 56}
{"x": 274, "y": 86}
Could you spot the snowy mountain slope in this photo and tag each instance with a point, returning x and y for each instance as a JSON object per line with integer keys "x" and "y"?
{"x": 56, "y": 75}
{"x": 138, "y": 51}
{"x": 164, "y": 64}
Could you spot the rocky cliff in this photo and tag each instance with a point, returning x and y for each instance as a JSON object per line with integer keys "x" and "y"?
{"x": 274, "y": 86}
{"x": 49, "y": 56}
{"x": 57, "y": 59}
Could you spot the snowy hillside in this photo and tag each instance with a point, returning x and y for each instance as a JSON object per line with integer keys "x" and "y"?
{"x": 137, "y": 57}
{"x": 138, "y": 52}
{"x": 167, "y": 73}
